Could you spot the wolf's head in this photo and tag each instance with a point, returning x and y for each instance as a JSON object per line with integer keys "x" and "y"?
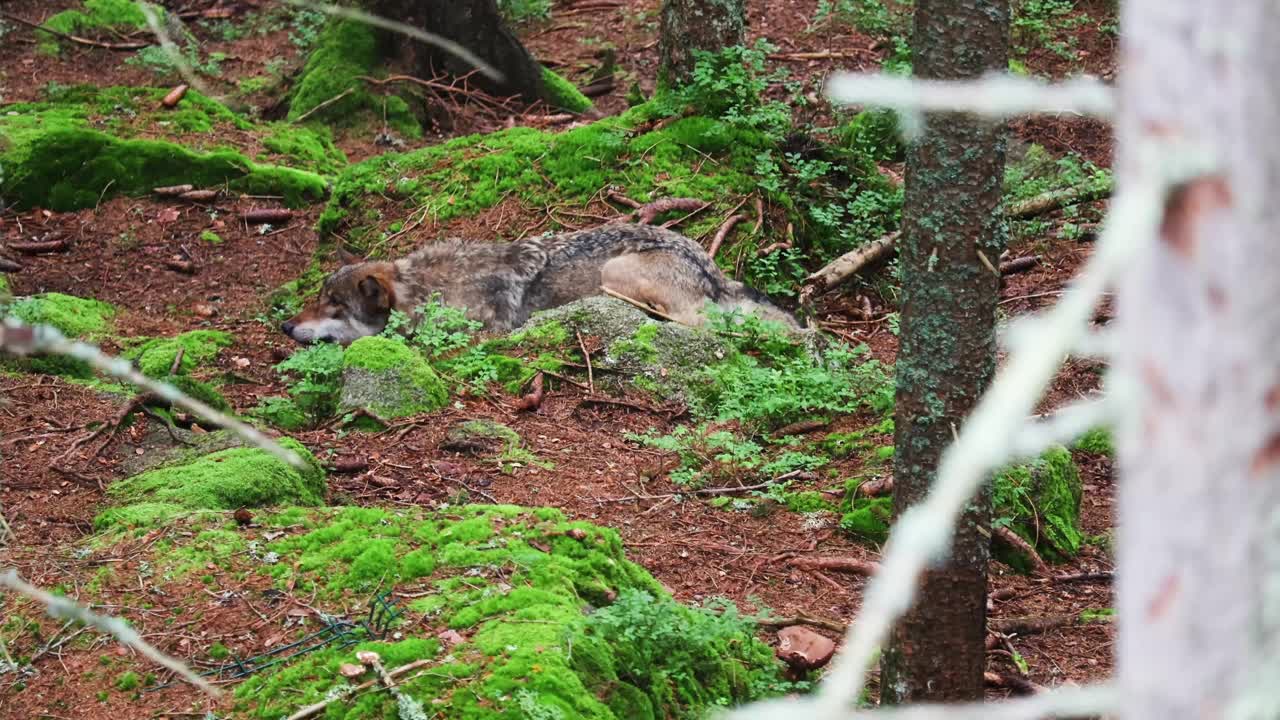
{"x": 354, "y": 302}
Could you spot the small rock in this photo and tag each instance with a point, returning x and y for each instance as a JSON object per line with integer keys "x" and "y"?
{"x": 450, "y": 637}
{"x": 351, "y": 670}
{"x": 368, "y": 657}
{"x": 243, "y": 517}
{"x": 804, "y": 649}
{"x": 204, "y": 310}
{"x": 577, "y": 533}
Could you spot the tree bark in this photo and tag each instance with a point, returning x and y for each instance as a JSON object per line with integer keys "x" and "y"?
{"x": 476, "y": 25}
{"x": 1198, "y": 582}
{"x": 690, "y": 25}
{"x": 951, "y": 216}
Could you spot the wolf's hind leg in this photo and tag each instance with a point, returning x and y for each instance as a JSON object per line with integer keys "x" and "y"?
{"x": 656, "y": 280}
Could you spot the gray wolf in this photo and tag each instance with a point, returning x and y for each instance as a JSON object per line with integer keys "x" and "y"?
{"x": 501, "y": 284}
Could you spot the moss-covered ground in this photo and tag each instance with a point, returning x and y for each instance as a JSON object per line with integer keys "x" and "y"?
{"x": 83, "y": 144}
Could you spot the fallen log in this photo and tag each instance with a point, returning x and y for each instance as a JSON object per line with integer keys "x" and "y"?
{"x": 842, "y": 268}
{"x": 39, "y": 247}
{"x": 865, "y": 568}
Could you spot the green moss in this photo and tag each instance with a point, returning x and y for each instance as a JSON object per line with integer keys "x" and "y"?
{"x": 345, "y": 51}
{"x": 200, "y": 390}
{"x": 211, "y": 237}
{"x": 75, "y": 317}
{"x": 311, "y": 148}
{"x": 224, "y": 480}
{"x": 1097, "y": 441}
{"x": 63, "y": 167}
{"x": 218, "y": 651}
{"x": 1040, "y": 501}
{"x": 806, "y": 501}
{"x": 127, "y": 681}
{"x": 519, "y": 586}
{"x": 692, "y": 157}
{"x": 563, "y": 94}
{"x": 868, "y": 518}
{"x": 97, "y": 15}
{"x": 388, "y": 378}
{"x": 282, "y": 412}
{"x": 199, "y": 347}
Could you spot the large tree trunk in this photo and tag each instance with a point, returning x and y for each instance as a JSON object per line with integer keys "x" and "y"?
{"x": 947, "y": 358}
{"x": 689, "y": 25}
{"x": 476, "y": 25}
{"x": 1199, "y": 522}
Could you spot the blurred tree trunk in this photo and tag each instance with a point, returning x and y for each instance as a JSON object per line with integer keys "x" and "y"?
{"x": 1198, "y": 531}
{"x": 476, "y": 25}
{"x": 951, "y": 218}
{"x": 689, "y": 25}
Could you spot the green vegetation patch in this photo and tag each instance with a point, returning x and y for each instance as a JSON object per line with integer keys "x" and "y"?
{"x": 84, "y": 144}
{"x": 155, "y": 357}
{"x": 1097, "y": 441}
{"x": 223, "y": 480}
{"x": 106, "y": 15}
{"x": 562, "y": 93}
{"x": 78, "y": 318}
{"x": 691, "y": 157}
{"x": 1040, "y": 501}
{"x": 331, "y": 89}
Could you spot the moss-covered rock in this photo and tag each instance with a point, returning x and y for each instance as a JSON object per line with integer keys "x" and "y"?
{"x": 548, "y": 615}
{"x": 84, "y": 144}
{"x": 656, "y": 355}
{"x": 562, "y": 93}
{"x": 389, "y": 379}
{"x": 346, "y": 51}
{"x": 155, "y": 357}
{"x": 691, "y": 157}
{"x": 105, "y": 15}
{"x": 1040, "y": 501}
{"x": 78, "y": 318}
{"x": 223, "y": 480}
{"x": 481, "y": 438}
{"x": 868, "y": 519}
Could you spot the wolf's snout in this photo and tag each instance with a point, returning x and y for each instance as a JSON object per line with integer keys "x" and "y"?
{"x": 288, "y": 327}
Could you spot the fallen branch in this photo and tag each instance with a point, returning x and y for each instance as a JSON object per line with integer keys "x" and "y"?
{"x": 1040, "y": 625}
{"x": 804, "y": 427}
{"x": 723, "y": 232}
{"x": 172, "y": 190}
{"x": 39, "y": 247}
{"x": 200, "y": 195}
{"x": 1106, "y": 575}
{"x": 866, "y": 568}
{"x": 1006, "y": 535}
{"x": 317, "y": 708}
{"x": 175, "y": 96}
{"x": 801, "y": 618}
{"x": 186, "y": 267}
{"x": 1019, "y": 685}
{"x": 772, "y": 248}
{"x": 842, "y": 268}
{"x": 76, "y": 38}
{"x": 646, "y": 214}
{"x": 323, "y": 105}
{"x": 263, "y": 216}
{"x": 1018, "y": 265}
{"x": 875, "y": 488}
{"x": 7, "y": 265}
{"x": 533, "y": 400}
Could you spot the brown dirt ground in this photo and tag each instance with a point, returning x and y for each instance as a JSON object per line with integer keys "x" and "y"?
{"x": 118, "y": 255}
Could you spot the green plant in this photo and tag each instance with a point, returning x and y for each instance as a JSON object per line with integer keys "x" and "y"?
{"x": 729, "y": 85}
{"x": 1047, "y": 24}
{"x": 305, "y": 25}
{"x": 434, "y": 329}
{"x": 317, "y": 373}
{"x": 520, "y": 11}
{"x": 771, "y": 379}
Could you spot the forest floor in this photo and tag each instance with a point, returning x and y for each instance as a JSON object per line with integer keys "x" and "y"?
{"x": 118, "y": 253}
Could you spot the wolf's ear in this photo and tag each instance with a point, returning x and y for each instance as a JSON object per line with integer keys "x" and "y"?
{"x": 348, "y": 258}
{"x": 373, "y": 288}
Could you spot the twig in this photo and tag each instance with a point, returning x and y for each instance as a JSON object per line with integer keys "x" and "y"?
{"x": 591, "y": 378}
{"x": 177, "y": 360}
{"x": 76, "y": 38}
{"x": 1039, "y": 625}
{"x": 865, "y": 568}
{"x": 323, "y": 105}
{"x": 61, "y": 607}
{"x": 723, "y": 232}
{"x": 317, "y": 708}
{"x": 646, "y": 214}
{"x": 37, "y": 248}
{"x": 1006, "y": 535}
{"x": 642, "y": 306}
{"x": 1018, "y": 265}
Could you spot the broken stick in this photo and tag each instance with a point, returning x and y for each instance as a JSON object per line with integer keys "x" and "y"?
{"x": 842, "y": 268}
